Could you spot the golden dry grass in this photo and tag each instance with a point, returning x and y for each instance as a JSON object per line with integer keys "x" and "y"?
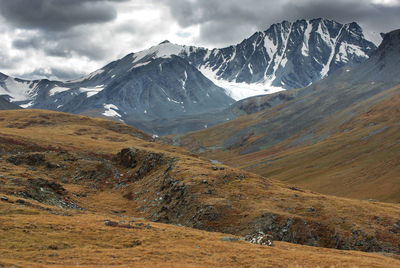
{"x": 35, "y": 237}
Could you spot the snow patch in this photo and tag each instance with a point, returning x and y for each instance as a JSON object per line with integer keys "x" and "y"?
{"x": 141, "y": 64}
{"x": 280, "y": 56}
{"x": 250, "y": 69}
{"x": 239, "y": 91}
{"x": 111, "y": 110}
{"x": 346, "y": 50}
{"x": 307, "y": 33}
{"x": 91, "y": 91}
{"x": 27, "y": 105}
{"x": 183, "y": 81}
{"x": 270, "y": 47}
{"x": 18, "y": 91}
{"x": 208, "y": 53}
{"x": 56, "y": 90}
{"x": 331, "y": 42}
{"x": 174, "y": 101}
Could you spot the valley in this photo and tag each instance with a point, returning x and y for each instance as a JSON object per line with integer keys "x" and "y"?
{"x": 282, "y": 150}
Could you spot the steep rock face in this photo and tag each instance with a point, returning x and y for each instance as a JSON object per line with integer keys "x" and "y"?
{"x": 288, "y": 55}
{"x": 383, "y": 64}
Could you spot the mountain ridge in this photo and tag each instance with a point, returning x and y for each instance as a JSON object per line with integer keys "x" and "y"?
{"x": 345, "y": 119}
{"x": 169, "y": 81}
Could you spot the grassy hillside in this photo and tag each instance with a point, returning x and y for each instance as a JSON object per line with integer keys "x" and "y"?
{"x": 63, "y": 176}
{"x": 353, "y": 153}
{"x": 44, "y": 236}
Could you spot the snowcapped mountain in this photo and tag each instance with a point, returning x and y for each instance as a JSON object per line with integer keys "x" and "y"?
{"x": 137, "y": 88}
{"x": 168, "y": 81}
{"x": 287, "y": 55}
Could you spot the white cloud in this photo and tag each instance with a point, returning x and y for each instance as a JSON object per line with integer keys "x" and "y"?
{"x": 386, "y": 2}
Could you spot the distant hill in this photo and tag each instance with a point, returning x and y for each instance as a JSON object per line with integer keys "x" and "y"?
{"x": 6, "y": 105}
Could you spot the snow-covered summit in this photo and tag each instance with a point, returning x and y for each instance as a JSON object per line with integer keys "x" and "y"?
{"x": 288, "y": 54}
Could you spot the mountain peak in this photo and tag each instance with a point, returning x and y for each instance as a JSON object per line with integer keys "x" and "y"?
{"x": 390, "y": 42}
{"x": 392, "y": 35}
{"x": 163, "y": 50}
{"x": 390, "y": 47}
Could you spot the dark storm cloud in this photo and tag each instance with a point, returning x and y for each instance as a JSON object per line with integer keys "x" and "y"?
{"x": 56, "y": 15}
{"x": 377, "y": 17}
{"x": 60, "y": 37}
{"x": 226, "y": 21}
{"x": 63, "y": 44}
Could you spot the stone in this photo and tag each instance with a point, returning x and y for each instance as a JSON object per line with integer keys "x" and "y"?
{"x": 134, "y": 243}
{"x": 295, "y": 189}
{"x": 29, "y": 159}
{"x": 110, "y": 223}
{"x": 260, "y": 238}
{"x": 137, "y": 219}
{"x": 311, "y": 209}
{"x": 4, "y": 198}
{"x": 229, "y": 239}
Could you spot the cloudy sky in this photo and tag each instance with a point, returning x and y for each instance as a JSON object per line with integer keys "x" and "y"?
{"x": 65, "y": 39}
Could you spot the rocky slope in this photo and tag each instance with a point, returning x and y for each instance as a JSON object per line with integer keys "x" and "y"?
{"x": 6, "y": 105}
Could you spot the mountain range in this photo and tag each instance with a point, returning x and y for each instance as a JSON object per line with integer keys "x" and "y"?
{"x": 167, "y": 82}
{"x": 337, "y": 136}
